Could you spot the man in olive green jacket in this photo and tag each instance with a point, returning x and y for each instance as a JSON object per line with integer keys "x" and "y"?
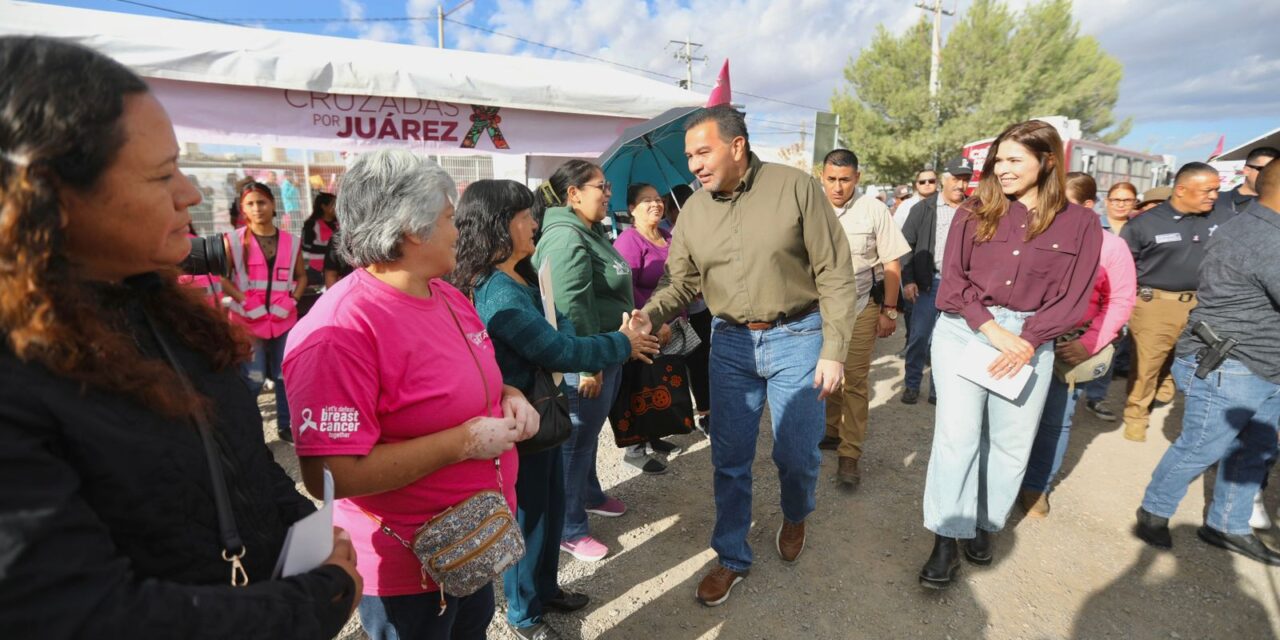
{"x": 765, "y": 249}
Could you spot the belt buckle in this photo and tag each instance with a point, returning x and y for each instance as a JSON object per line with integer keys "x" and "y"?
{"x": 1146, "y": 294}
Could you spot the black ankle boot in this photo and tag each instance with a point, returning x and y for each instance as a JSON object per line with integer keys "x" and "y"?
{"x": 1153, "y": 529}
{"x": 940, "y": 569}
{"x": 978, "y": 549}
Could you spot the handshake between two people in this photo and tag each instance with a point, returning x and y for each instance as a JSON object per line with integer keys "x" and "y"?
{"x": 638, "y": 329}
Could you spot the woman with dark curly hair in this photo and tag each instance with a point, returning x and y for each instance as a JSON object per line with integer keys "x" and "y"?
{"x": 108, "y": 513}
{"x": 495, "y": 240}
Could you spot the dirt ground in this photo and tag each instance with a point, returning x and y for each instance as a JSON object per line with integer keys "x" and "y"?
{"x": 1077, "y": 574}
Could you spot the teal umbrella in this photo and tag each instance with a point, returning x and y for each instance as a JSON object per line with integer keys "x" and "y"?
{"x": 651, "y": 152}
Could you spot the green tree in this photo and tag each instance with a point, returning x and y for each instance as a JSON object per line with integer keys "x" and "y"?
{"x": 998, "y": 67}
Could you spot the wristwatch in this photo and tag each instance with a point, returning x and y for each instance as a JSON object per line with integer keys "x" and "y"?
{"x": 890, "y": 312}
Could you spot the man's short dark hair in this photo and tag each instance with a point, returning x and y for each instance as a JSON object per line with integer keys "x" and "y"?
{"x": 731, "y": 122}
{"x": 1192, "y": 169}
{"x": 841, "y": 158}
{"x": 1262, "y": 152}
{"x": 935, "y": 173}
{"x": 1268, "y": 183}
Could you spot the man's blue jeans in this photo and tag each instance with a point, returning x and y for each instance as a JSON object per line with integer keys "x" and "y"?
{"x": 924, "y": 315}
{"x": 1052, "y": 437}
{"x": 268, "y": 355}
{"x": 746, "y": 368}
{"x": 581, "y": 482}
{"x": 1230, "y": 418}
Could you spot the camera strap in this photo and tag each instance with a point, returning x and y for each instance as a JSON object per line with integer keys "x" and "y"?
{"x": 232, "y": 547}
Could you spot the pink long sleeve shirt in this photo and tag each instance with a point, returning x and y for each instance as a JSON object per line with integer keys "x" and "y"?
{"x": 1114, "y": 294}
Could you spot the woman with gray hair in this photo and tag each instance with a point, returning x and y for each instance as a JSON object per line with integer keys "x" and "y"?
{"x": 394, "y": 388}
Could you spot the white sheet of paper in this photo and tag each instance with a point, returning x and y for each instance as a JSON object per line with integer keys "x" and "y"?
{"x": 548, "y": 302}
{"x": 975, "y": 359}
{"x": 310, "y": 540}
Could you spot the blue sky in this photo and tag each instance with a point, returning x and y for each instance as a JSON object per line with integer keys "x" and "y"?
{"x": 1185, "y": 82}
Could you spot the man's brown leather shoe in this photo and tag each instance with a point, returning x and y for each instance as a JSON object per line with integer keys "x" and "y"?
{"x": 790, "y": 540}
{"x": 847, "y": 473}
{"x": 716, "y": 585}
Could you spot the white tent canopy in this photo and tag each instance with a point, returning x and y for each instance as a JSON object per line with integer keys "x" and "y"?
{"x": 223, "y": 54}
{"x": 237, "y": 85}
{"x": 1271, "y": 139}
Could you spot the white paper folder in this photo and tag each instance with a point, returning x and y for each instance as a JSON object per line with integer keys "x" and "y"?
{"x": 975, "y": 359}
{"x": 309, "y": 541}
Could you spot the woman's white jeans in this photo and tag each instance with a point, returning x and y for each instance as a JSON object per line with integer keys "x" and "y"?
{"x": 981, "y": 441}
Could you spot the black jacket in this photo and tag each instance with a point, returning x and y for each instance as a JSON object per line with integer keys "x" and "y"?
{"x": 107, "y": 521}
{"x": 920, "y": 229}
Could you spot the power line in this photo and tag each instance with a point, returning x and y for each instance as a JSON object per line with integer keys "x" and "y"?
{"x": 243, "y": 21}
{"x": 179, "y": 13}
{"x": 623, "y": 65}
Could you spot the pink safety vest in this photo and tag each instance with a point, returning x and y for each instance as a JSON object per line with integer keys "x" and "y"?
{"x": 262, "y": 317}
{"x": 324, "y": 232}
{"x": 211, "y": 285}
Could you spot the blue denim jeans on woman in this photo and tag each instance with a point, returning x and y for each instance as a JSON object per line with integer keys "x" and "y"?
{"x": 534, "y": 579}
{"x": 981, "y": 440}
{"x": 418, "y": 616}
{"x": 581, "y": 482}
{"x": 268, "y": 355}
{"x": 746, "y": 368}
{"x": 1230, "y": 418}
{"x": 1053, "y": 436}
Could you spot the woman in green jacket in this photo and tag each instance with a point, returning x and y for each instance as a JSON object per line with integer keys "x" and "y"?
{"x": 591, "y": 284}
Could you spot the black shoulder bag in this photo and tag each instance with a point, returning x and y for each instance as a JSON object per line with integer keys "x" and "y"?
{"x": 226, "y": 519}
{"x": 555, "y": 426}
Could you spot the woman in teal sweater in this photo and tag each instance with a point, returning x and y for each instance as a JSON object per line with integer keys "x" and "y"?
{"x": 495, "y": 240}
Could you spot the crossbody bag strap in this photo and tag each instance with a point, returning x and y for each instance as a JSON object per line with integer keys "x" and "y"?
{"x": 484, "y": 380}
{"x": 233, "y": 549}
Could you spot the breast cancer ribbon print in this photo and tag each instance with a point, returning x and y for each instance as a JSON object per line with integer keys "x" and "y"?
{"x": 482, "y": 119}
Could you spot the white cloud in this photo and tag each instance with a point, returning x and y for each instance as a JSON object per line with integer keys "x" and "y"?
{"x": 1183, "y": 59}
{"x": 1194, "y": 142}
{"x": 385, "y": 31}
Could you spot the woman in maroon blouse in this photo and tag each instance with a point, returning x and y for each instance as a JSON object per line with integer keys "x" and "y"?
{"x": 1018, "y": 268}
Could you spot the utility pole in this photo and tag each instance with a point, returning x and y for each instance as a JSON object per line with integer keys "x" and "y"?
{"x": 935, "y": 64}
{"x": 440, "y": 15}
{"x": 685, "y": 55}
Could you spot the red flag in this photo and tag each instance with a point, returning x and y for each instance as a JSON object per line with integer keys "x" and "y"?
{"x": 1217, "y": 151}
{"x": 721, "y": 93}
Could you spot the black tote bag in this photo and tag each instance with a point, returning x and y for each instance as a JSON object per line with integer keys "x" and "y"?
{"x": 653, "y": 401}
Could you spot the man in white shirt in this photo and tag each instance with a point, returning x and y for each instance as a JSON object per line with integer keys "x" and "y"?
{"x": 876, "y": 244}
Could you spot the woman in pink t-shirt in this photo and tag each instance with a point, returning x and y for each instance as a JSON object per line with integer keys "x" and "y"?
{"x": 393, "y": 385}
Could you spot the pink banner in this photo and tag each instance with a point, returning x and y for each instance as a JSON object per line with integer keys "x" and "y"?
{"x": 231, "y": 114}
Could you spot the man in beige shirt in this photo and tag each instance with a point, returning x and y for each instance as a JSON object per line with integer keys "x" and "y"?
{"x": 762, "y": 244}
{"x": 876, "y": 244}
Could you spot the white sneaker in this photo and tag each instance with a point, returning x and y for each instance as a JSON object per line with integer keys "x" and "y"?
{"x": 1259, "y": 519}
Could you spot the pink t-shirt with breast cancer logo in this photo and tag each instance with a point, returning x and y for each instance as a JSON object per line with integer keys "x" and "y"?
{"x": 371, "y": 365}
